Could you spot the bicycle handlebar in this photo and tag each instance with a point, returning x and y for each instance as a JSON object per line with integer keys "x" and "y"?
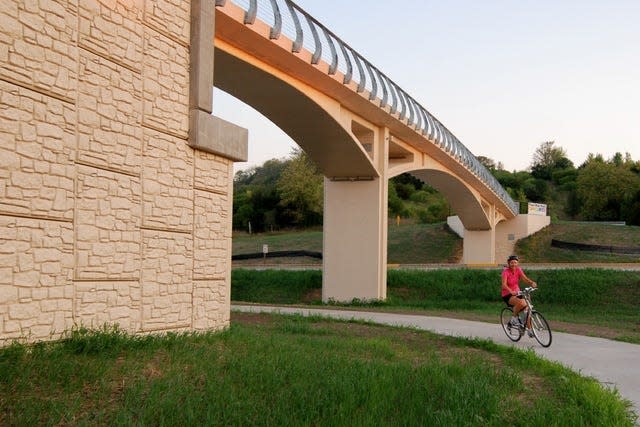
{"x": 527, "y": 290}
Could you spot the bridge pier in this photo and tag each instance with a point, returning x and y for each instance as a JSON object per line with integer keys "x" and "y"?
{"x": 479, "y": 246}
{"x": 355, "y": 240}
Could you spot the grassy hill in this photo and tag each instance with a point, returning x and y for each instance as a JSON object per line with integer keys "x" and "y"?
{"x": 537, "y": 247}
{"x": 406, "y": 244}
{"x": 434, "y": 243}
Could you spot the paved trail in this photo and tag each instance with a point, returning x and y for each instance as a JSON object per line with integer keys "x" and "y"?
{"x": 613, "y": 363}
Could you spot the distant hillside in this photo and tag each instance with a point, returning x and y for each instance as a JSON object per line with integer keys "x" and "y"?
{"x": 435, "y": 244}
{"x": 407, "y": 244}
{"x": 537, "y": 248}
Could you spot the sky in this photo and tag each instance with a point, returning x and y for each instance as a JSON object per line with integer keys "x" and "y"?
{"x": 504, "y": 76}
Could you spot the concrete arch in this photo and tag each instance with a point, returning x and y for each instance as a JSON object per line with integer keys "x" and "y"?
{"x": 311, "y": 119}
{"x": 464, "y": 201}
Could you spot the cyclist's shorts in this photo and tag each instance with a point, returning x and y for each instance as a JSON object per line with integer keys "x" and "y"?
{"x": 506, "y": 299}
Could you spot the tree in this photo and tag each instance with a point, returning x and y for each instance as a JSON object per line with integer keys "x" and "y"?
{"x": 255, "y": 197}
{"x": 301, "y": 190}
{"x": 604, "y": 188}
{"x": 490, "y": 164}
{"x": 536, "y": 190}
{"x": 548, "y": 158}
{"x": 394, "y": 202}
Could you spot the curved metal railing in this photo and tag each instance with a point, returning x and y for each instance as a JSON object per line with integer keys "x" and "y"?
{"x": 287, "y": 18}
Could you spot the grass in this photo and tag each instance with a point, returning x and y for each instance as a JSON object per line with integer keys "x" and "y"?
{"x": 537, "y": 247}
{"x": 284, "y": 370}
{"x": 411, "y": 243}
{"x": 310, "y": 240}
{"x": 422, "y": 244}
{"x": 595, "y": 302}
{"x": 407, "y": 244}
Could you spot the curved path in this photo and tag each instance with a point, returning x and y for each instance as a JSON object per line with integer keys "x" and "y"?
{"x": 613, "y": 363}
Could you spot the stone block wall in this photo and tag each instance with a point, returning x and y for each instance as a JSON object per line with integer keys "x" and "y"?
{"x": 107, "y": 215}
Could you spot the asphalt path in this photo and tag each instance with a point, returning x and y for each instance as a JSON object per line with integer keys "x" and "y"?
{"x": 630, "y": 266}
{"x": 615, "y": 364}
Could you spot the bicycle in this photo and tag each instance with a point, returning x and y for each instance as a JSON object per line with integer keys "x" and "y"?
{"x": 530, "y": 320}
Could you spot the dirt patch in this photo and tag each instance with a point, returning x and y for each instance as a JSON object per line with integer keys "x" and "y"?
{"x": 314, "y": 295}
{"x": 251, "y": 318}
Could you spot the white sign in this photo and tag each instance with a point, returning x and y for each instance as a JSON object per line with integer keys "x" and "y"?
{"x": 265, "y": 249}
{"x": 537, "y": 209}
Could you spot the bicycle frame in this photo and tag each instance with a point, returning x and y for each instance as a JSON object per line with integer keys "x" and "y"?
{"x": 530, "y": 320}
{"x": 526, "y": 296}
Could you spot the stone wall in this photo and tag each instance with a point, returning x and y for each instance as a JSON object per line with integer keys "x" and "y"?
{"x": 107, "y": 215}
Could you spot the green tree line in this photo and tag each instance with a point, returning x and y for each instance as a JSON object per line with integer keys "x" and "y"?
{"x": 597, "y": 190}
{"x": 288, "y": 193}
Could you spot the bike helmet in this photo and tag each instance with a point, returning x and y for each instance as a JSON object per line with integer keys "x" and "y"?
{"x": 512, "y": 257}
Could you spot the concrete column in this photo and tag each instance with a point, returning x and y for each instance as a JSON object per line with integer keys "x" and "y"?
{"x": 479, "y": 247}
{"x": 355, "y": 233}
{"x": 354, "y": 261}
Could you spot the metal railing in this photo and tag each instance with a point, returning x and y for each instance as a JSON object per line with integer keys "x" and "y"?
{"x": 288, "y": 19}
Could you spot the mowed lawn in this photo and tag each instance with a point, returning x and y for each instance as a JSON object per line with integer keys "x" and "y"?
{"x": 410, "y": 243}
{"x": 272, "y": 370}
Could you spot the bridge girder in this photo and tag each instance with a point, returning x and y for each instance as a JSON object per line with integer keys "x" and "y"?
{"x": 275, "y": 56}
{"x": 327, "y": 132}
{"x": 314, "y": 121}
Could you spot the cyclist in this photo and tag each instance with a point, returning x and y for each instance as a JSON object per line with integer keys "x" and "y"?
{"x": 511, "y": 276}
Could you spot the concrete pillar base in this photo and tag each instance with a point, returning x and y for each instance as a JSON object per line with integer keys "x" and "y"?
{"x": 355, "y": 252}
{"x": 479, "y": 247}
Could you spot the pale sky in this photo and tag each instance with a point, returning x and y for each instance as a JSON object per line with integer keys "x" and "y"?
{"x": 502, "y": 75}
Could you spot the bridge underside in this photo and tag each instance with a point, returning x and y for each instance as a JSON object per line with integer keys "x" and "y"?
{"x": 357, "y": 158}
{"x": 313, "y": 125}
{"x": 116, "y": 202}
{"x": 357, "y": 145}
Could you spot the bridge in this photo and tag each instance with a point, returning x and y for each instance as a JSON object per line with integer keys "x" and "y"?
{"x": 360, "y": 128}
{"x": 116, "y": 179}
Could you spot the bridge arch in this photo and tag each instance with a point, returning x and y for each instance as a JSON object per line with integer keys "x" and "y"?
{"x": 314, "y": 121}
{"x": 464, "y": 201}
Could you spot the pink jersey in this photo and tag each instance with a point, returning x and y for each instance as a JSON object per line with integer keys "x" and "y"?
{"x": 513, "y": 279}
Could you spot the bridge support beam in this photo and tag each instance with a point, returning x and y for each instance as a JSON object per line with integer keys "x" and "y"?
{"x": 479, "y": 246}
{"x": 355, "y": 240}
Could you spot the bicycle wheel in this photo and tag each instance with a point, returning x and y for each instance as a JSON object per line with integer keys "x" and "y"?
{"x": 513, "y": 332}
{"x": 541, "y": 329}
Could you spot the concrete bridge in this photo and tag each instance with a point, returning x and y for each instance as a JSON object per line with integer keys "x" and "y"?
{"x": 116, "y": 180}
{"x": 361, "y": 129}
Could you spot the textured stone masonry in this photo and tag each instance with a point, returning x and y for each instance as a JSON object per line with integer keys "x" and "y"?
{"x": 166, "y": 86}
{"x": 38, "y": 45}
{"x": 167, "y": 181}
{"x": 107, "y": 216}
{"x": 167, "y": 284}
{"x": 109, "y": 115}
{"x": 36, "y": 267}
{"x": 113, "y": 30}
{"x": 36, "y": 154}
{"x": 107, "y": 225}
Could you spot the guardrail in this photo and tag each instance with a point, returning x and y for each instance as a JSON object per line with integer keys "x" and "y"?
{"x": 286, "y": 17}
{"x": 595, "y": 248}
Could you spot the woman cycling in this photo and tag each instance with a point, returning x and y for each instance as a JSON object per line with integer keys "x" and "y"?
{"x": 511, "y": 276}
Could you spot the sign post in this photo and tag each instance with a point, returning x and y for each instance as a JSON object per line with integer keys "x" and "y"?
{"x": 537, "y": 209}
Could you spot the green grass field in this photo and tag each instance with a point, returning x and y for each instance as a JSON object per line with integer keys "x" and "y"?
{"x": 434, "y": 244}
{"x": 268, "y": 370}
{"x": 407, "y": 244}
{"x": 595, "y": 302}
{"x": 537, "y": 248}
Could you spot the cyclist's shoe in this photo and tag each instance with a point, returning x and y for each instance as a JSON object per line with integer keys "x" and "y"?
{"x": 515, "y": 322}
{"x": 530, "y": 333}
